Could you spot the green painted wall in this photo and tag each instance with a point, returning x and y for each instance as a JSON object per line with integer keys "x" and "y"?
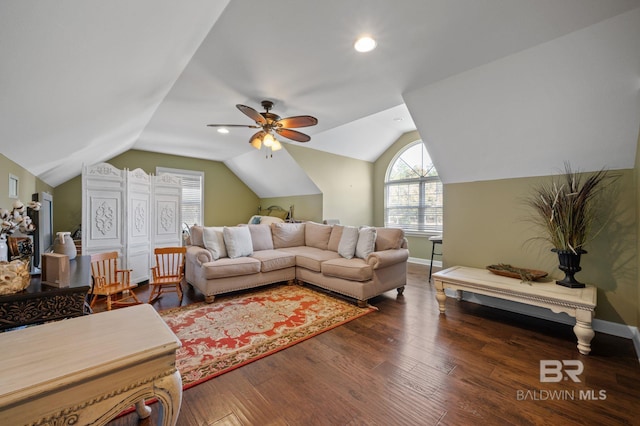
{"x": 486, "y": 223}
{"x": 345, "y": 183}
{"x": 419, "y": 247}
{"x": 28, "y": 184}
{"x": 228, "y": 201}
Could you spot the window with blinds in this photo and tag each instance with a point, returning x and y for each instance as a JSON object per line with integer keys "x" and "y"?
{"x": 192, "y": 194}
{"x": 413, "y": 192}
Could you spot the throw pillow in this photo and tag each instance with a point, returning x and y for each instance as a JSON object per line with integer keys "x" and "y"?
{"x": 287, "y": 234}
{"x": 238, "y": 241}
{"x": 214, "y": 241}
{"x": 334, "y": 239}
{"x": 366, "y": 242}
{"x": 261, "y": 237}
{"x": 317, "y": 235}
{"x": 255, "y": 219}
{"x": 196, "y": 236}
{"x": 348, "y": 242}
{"x": 389, "y": 238}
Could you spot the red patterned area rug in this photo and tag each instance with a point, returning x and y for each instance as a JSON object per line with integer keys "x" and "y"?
{"x": 236, "y": 330}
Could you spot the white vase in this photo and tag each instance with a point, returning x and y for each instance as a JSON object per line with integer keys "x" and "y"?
{"x": 4, "y": 249}
{"x": 65, "y": 245}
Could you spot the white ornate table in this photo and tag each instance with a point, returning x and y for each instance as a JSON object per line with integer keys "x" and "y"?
{"x": 579, "y": 303}
{"x": 86, "y": 370}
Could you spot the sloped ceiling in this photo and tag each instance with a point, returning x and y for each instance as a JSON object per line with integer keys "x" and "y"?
{"x": 84, "y": 81}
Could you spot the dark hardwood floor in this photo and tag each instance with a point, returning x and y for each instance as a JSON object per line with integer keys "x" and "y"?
{"x": 408, "y": 365}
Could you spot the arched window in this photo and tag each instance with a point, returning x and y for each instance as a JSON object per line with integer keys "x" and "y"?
{"x": 413, "y": 192}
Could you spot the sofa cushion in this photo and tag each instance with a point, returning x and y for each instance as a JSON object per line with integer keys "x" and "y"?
{"x": 238, "y": 241}
{"x": 366, "y": 242}
{"x": 213, "y": 238}
{"x": 389, "y": 238}
{"x": 310, "y": 257}
{"x": 348, "y": 242}
{"x": 317, "y": 235}
{"x": 287, "y": 235}
{"x": 334, "y": 239}
{"x": 197, "y": 236}
{"x": 227, "y": 267}
{"x": 349, "y": 269}
{"x": 261, "y": 237}
{"x": 272, "y": 260}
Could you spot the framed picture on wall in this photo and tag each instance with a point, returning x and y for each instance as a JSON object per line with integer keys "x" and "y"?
{"x": 13, "y": 186}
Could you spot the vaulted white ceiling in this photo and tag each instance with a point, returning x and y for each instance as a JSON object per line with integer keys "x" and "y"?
{"x": 83, "y": 81}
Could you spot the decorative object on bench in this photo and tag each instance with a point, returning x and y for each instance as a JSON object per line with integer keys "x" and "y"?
{"x": 215, "y": 342}
{"x": 525, "y": 275}
{"x": 565, "y": 209}
{"x": 110, "y": 281}
{"x": 14, "y": 276}
{"x": 64, "y": 244}
{"x": 168, "y": 273}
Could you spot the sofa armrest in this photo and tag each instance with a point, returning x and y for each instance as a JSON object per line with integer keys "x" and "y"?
{"x": 199, "y": 255}
{"x": 382, "y": 259}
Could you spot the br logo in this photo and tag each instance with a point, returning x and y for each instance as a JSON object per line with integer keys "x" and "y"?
{"x": 553, "y": 370}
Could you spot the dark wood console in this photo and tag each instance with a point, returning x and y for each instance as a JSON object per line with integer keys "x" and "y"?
{"x": 41, "y": 303}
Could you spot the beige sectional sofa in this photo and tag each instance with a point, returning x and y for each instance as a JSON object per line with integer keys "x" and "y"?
{"x": 356, "y": 262}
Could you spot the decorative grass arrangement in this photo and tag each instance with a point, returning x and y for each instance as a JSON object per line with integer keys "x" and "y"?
{"x": 564, "y": 207}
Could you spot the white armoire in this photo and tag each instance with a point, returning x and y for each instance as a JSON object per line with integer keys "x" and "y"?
{"x": 130, "y": 212}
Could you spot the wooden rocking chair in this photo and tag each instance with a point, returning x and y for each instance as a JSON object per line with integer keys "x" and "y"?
{"x": 111, "y": 282}
{"x": 168, "y": 272}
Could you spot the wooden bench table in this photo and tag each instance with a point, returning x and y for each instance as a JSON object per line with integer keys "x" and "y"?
{"x": 578, "y": 303}
{"x": 86, "y": 370}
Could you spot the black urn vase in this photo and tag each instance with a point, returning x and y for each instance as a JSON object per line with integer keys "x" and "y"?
{"x": 570, "y": 265}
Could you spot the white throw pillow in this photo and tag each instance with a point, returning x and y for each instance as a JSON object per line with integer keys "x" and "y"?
{"x": 213, "y": 238}
{"x": 366, "y": 242}
{"x": 238, "y": 241}
{"x": 348, "y": 242}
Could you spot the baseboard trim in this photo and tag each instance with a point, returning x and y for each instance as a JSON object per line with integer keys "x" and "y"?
{"x": 600, "y": 326}
{"x": 427, "y": 262}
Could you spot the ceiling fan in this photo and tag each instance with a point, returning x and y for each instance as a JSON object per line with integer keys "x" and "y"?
{"x": 270, "y": 123}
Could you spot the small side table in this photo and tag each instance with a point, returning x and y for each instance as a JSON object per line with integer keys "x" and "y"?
{"x": 436, "y": 239}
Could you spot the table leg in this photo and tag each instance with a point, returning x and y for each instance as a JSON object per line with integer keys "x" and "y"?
{"x": 168, "y": 390}
{"x": 584, "y": 331}
{"x": 142, "y": 409}
{"x": 440, "y": 296}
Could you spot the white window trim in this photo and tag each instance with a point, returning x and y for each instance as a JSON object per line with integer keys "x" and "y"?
{"x": 184, "y": 172}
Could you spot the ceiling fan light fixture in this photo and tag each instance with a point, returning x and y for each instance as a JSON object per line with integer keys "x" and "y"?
{"x": 277, "y": 146}
{"x": 365, "y": 44}
{"x": 268, "y": 140}
{"x": 256, "y": 140}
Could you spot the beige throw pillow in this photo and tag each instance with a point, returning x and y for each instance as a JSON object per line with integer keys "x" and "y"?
{"x": 238, "y": 241}
{"x": 366, "y": 242}
{"x": 196, "y": 236}
{"x": 317, "y": 235}
{"x": 348, "y": 242}
{"x": 213, "y": 239}
{"x": 334, "y": 239}
{"x": 287, "y": 234}
{"x": 261, "y": 237}
{"x": 389, "y": 238}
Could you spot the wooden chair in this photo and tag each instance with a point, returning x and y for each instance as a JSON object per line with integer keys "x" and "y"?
{"x": 168, "y": 272}
{"x": 111, "y": 282}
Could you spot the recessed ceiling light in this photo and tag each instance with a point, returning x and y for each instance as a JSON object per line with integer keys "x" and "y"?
{"x": 223, "y": 130}
{"x": 365, "y": 44}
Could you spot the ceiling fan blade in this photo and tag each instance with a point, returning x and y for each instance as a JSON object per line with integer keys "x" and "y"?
{"x": 233, "y": 125}
{"x": 252, "y": 114}
{"x": 297, "y": 121}
{"x": 293, "y": 135}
